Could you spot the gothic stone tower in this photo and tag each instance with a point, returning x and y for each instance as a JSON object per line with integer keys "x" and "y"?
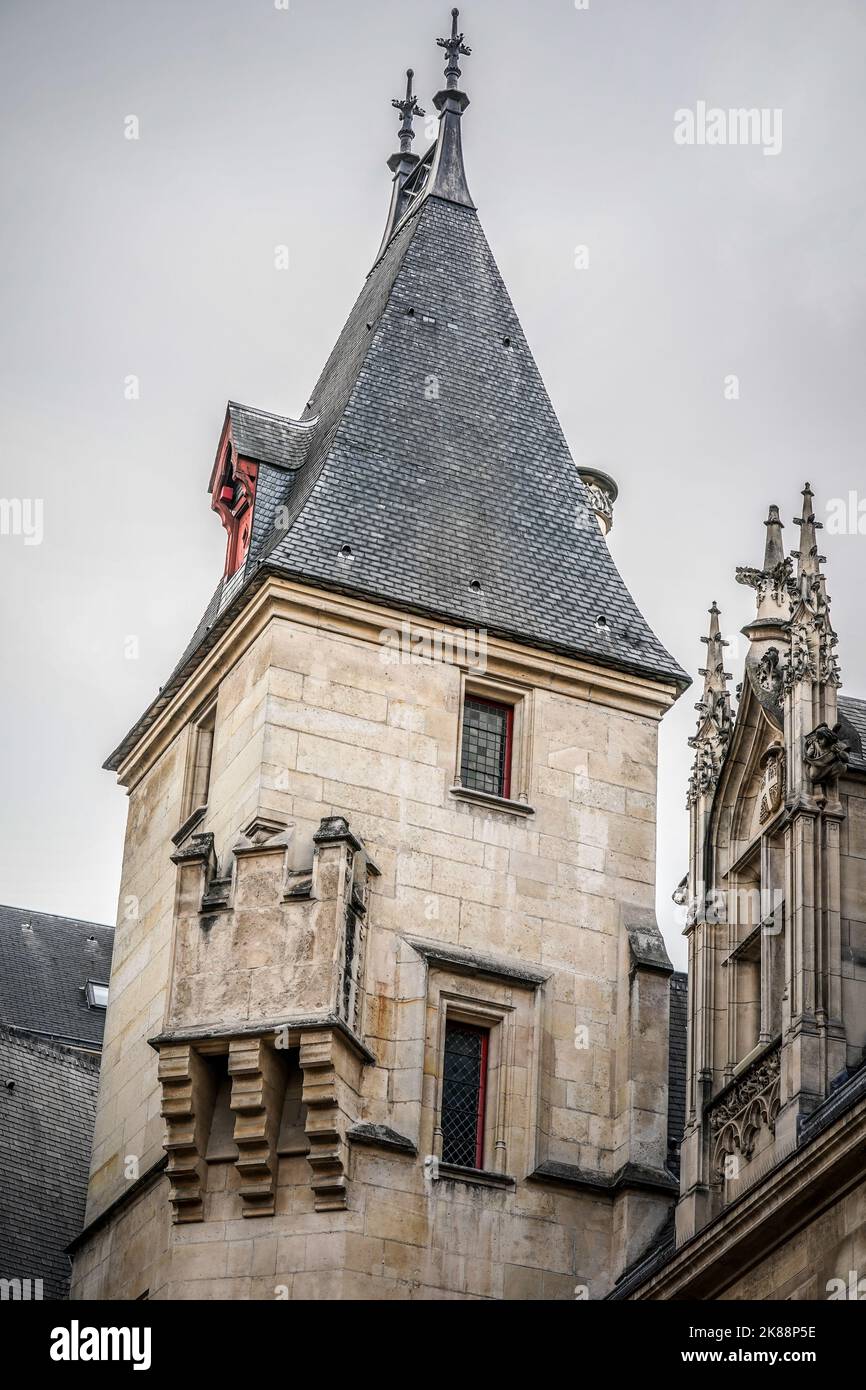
{"x": 777, "y": 1008}
{"x": 773, "y": 1200}
{"x": 388, "y": 1014}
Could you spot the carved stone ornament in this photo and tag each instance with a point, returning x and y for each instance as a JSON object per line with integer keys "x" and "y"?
{"x": 775, "y": 583}
{"x": 707, "y": 766}
{"x": 768, "y": 674}
{"x": 825, "y": 754}
{"x": 750, "y": 1105}
{"x": 800, "y": 664}
{"x": 772, "y": 781}
{"x": 829, "y": 668}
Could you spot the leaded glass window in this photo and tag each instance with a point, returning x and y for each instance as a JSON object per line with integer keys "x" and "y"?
{"x": 485, "y": 760}
{"x": 463, "y": 1094}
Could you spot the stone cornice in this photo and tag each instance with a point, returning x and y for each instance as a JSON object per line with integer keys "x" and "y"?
{"x": 465, "y": 961}
{"x": 276, "y": 597}
{"x": 216, "y": 1033}
{"x": 631, "y": 1176}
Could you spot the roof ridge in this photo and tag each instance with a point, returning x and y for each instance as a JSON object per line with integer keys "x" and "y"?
{"x": 275, "y": 414}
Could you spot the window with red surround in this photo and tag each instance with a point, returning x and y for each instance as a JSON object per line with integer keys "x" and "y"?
{"x": 233, "y": 492}
{"x": 464, "y": 1089}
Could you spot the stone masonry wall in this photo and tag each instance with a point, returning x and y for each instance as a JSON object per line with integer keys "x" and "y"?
{"x": 314, "y": 722}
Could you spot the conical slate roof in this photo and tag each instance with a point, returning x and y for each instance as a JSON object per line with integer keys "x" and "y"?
{"x": 429, "y": 471}
{"x": 441, "y": 464}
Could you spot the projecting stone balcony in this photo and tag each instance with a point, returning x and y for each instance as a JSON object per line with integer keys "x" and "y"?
{"x": 264, "y": 1012}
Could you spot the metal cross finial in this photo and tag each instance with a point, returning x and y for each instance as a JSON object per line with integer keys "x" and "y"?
{"x": 454, "y": 47}
{"x": 409, "y": 108}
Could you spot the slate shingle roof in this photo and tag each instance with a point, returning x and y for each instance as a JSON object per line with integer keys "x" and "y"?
{"x": 46, "y": 1127}
{"x": 43, "y": 969}
{"x": 448, "y": 466}
{"x": 431, "y": 449}
{"x": 49, "y": 1071}
{"x": 855, "y": 712}
{"x": 274, "y": 439}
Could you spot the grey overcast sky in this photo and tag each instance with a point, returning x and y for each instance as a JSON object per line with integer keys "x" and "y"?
{"x": 262, "y": 126}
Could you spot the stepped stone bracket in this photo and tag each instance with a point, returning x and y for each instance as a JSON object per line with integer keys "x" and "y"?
{"x": 187, "y": 1108}
{"x": 321, "y": 1058}
{"x": 256, "y": 1100}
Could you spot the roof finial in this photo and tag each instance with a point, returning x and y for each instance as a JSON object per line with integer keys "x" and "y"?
{"x": 772, "y": 581}
{"x": 408, "y": 107}
{"x": 809, "y": 561}
{"x": 403, "y": 162}
{"x": 714, "y": 673}
{"x": 454, "y": 47}
{"x": 715, "y": 718}
{"x": 447, "y": 175}
{"x": 774, "y": 547}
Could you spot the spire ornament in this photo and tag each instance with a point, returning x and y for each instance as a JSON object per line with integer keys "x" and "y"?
{"x": 447, "y": 175}
{"x": 808, "y": 560}
{"x": 715, "y": 718}
{"x": 455, "y": 48}
{"x": 403, "y": 161}
{"x": 813, "y": 641}
{"x": 773, "y": 581}
{"x": 408, "y": 108}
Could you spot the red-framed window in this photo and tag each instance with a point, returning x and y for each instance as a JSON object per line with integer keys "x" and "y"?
{"x": 233, "y": 494}
{"x": 488, "y": 735}
{"x": 464, "y": 1094}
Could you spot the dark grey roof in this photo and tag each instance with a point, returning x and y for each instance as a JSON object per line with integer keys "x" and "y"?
{"x": 855, "y": 712}
{"x": 44, "y": 963}
{"x": 677, "y": 1067}
{"x": 447, "y": 465}
{"x": 273, "y": 439}
{"x": 430, "y": 448}
{"x": 47, "y": 1107}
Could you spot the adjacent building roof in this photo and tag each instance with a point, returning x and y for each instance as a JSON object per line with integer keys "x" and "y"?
{"x": 47, "y": 1110}
{"x": 45, "y": 963}
{"x": 854, "y": 711}
{"x": 50, "y": 1043}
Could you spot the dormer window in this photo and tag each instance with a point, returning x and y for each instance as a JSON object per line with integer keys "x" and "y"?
{"x": 228, "y": 491}
{"x": 233, "y": 492}
{"x": 96, "y": 993}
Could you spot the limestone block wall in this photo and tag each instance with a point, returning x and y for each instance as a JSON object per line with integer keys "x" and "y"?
{"x": 401, "y": 1238}
{"x": 316, "y": 719}
{"x": 817, "y": 1262}
{"x": 129, "y": 1131}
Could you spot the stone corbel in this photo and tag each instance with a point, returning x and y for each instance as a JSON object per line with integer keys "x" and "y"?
{"x": 187, "y": 1108}
{"x": 331, "y": 1073}
{"x": 196, "y": 870}
{"x": 257, "y": 1092}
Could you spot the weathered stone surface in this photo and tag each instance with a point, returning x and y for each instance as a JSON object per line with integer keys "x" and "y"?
{"x": 521, "y": 921}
